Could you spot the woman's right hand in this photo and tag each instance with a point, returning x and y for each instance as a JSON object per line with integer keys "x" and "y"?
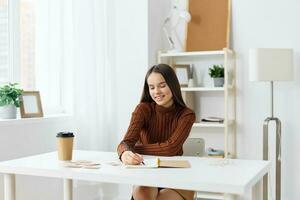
{"x": 130, "y": 158}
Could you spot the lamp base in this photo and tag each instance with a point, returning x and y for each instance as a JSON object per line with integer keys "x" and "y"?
{"x": 278, "y": 155}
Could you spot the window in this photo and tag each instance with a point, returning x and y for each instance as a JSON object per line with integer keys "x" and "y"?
{"x": 4, "y": 42}
{"x": 31, "y": 35}
{"x": 17, "y": 42}
{"x": 27, "y": 44}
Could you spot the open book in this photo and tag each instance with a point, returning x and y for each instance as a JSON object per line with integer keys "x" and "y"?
{"x": 157, "y": 162}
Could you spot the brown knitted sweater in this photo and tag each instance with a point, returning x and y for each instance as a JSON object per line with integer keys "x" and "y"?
{"x": 155, "y": 130}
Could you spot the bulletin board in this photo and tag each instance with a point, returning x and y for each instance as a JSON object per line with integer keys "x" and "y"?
{"x": 209, "y": 27}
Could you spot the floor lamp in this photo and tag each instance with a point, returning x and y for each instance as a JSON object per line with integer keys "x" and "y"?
{"x": 271, "y": 65}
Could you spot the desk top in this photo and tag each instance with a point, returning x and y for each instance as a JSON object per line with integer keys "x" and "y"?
{"x": 233, "y": 176}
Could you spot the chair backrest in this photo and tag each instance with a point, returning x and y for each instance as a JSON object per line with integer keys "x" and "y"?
{"x": 194, "y": 147}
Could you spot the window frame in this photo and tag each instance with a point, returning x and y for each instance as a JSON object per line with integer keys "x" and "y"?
{"x": 14, "y": 40}
{"x": 60, "y": 105}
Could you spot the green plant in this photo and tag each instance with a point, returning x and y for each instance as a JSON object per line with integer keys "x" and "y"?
{"x": 217, "y": 71}
{"x": 10, "y": 94}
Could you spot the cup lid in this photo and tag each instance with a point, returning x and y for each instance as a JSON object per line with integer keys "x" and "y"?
{"x": 65, "y": 134}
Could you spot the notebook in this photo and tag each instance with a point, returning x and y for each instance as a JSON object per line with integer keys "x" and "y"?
{"x": 160, "y": 163}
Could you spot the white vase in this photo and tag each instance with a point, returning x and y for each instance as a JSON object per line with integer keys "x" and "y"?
{"x": 191, "y": 83}
{"x": 219, "y": 82}
{"x": 8, "y": 112}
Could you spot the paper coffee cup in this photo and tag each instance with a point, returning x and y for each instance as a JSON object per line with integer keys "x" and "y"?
{"x": 65, "y": 145}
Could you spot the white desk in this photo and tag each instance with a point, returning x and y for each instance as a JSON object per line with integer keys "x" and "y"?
{"x": 205, "y": 174}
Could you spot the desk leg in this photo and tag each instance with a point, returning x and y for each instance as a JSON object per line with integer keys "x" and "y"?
{"x": 9, "y": 187}
{"x": 68, "y": 189}
{"x": 257, "y": 191}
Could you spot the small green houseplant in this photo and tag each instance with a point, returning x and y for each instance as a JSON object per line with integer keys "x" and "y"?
{"x": 9, "y": 100}
{"x": 217, "y": 73}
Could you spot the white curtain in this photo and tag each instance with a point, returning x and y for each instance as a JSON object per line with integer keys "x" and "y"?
{"x": 93, "y": 82}
{"x": 87, "y": 56}
{"x": 49, "y": 50}
{"x": 74, "y": 49}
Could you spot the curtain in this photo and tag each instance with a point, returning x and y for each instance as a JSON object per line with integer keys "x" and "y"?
{"x": 74, "y": 47}
{"x": 49, "y": 54}
{"x": 93, "y": 82}
{"x": 4, "y": 42}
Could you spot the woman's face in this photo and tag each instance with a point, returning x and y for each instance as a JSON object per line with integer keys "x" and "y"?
{"x": 159, "y": 90}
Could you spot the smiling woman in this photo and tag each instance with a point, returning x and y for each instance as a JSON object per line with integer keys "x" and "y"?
{"x": 159, "y": 125}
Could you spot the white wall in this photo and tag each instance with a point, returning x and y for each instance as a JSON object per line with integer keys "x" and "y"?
{"x": 138, "y": 38}
{"x": 158, "y": 10}
{"x": 131, "y": 58}
{"x": 27, "y": 138}
{"x": 131, "y": 64}
{"x": 261, "y": 24}
{"x": 268, "y": 24}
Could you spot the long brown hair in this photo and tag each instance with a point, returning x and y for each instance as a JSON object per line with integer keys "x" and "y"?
{"x": 171, "y": 79}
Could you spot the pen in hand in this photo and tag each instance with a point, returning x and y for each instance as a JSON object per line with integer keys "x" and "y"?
{"x": 143, "y": 162}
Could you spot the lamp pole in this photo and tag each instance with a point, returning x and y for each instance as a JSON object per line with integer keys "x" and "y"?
{"x": 271, "y": 64}
{"x": 278, "y": 150}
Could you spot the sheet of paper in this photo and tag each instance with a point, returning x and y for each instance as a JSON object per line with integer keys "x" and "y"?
{"x": 148, "y": 163}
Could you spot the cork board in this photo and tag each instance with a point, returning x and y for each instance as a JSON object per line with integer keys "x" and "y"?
{"x": 210, "y": 25}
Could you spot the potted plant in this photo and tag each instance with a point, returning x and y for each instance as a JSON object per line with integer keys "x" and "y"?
{"x": 217, "y": 73}
{"x": 9, "y": 100}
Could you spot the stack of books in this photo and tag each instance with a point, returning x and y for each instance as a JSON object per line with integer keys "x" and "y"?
{"x": 215, "y": 153}
{"x": 213, "y": 119}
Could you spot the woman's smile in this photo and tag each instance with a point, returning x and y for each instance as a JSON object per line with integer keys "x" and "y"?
{"x": 159, "y": 97}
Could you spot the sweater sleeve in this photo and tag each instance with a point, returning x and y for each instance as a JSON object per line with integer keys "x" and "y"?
{"x": 174, "y": 144}
{"x": 133, "y": 132}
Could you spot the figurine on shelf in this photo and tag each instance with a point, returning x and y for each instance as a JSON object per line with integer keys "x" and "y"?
{"x": 191, "y": 82}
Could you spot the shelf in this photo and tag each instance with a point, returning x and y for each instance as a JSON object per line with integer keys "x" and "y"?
{"x": 204, "y": 89}
{"x": 208, "y": 125}
{"x": 211, "y": 124}
{"x": 193, "y": 53}
{"x": 45, "y": 119}
{"x": 210, "y": 195}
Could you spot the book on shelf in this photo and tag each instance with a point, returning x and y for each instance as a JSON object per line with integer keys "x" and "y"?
{"x": 161, "y": 163}
{"x": 212, "y": 119}
{"x": 216, "y": 153}
{"x": 215, "y": 156}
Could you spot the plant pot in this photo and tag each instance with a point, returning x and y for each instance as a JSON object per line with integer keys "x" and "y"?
{"x": 218, "y": 82}
{"x": 8, "y": 112}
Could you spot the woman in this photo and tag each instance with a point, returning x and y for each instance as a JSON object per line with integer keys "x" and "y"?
{"x": 159, "y": 126}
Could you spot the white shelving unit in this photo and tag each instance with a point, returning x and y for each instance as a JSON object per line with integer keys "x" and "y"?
{"x": 226, "y": 95}
{"x": 207, "y": 101}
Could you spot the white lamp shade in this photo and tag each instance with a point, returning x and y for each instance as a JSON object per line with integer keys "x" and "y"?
{"x": 270, "y": 64}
